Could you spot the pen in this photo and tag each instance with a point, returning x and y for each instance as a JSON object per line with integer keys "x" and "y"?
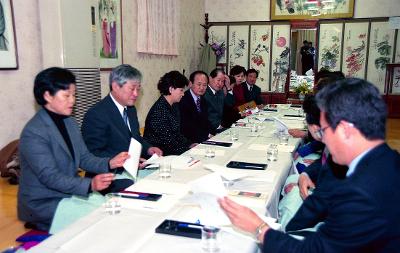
{"x": 184, "y": 225}
{"x": 131, "y": 196}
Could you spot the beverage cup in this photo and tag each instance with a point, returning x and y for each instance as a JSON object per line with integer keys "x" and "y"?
{"x": 210, "y": 239}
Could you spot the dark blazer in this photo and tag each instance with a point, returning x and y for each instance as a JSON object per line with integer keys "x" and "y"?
{"x": 215, "y": 104}
{"x": 105, "y": 132}
{"x": 48, "y": 171}
{"x": 363, "y": 214}
{"x": 254, "y": 94}
{"x": 163, "y": 128}
{"x": 194, "y": 125}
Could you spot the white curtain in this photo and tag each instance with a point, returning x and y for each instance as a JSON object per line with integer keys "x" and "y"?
{"x": 157, "y": 26}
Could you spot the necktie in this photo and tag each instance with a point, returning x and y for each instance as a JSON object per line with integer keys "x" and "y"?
{"x": 125, "y": 116}
{"x": 198, "y": 104}
{"x": 251, "y": 88}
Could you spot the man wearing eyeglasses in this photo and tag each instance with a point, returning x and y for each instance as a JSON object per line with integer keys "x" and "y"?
{"x": 363, "y": 212}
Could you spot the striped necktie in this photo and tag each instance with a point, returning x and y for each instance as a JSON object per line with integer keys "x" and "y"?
{"x": 125, "y": 116}
{"x": 198, "y": 104}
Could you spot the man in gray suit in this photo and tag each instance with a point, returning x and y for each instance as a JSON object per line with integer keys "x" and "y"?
{"x": 218, "y": 93}
{"x": 51, "y": 151}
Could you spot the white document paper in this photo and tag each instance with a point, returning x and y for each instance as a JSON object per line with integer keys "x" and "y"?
{"x": 226, "y": 173}
{"x": 211, "y": 183}
{"x": 202, "y": 152}
{"x": 280, "y": 125}
{"x": 131, "y": 165}
{"x": 286, "y": 148}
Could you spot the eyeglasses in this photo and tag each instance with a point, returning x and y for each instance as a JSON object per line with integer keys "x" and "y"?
{"x": 320, "y": 132}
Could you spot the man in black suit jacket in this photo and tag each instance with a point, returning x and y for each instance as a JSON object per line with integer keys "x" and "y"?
{"x": 193, "y": 109}
{"x": 251, "y": 91}
{"x": 363, "y": 210}
{"x": 104, "y": 129}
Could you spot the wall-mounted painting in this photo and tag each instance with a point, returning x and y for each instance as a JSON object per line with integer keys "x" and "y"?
{"x": 381, "y": 46}
{"x": 218, "y": 42}
{"x": 238, "y": 46}
{"x": 311, "y": 9}
{"x": 355, "y": 45}
{"x": 280, "y": 57}
{"x": 8, "y": 48}
{"x": 329, "y": 46}
{"x": 260, "y": 51}
{"x": 397, "y": 56}
{"x": 110, "y": 37}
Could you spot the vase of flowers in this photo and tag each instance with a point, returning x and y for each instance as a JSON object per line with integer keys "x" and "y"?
{"x": 303, "y": 89}
{"x": 219, "y": 49}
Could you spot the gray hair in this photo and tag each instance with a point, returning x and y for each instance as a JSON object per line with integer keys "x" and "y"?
{"x": 123, "y": 73}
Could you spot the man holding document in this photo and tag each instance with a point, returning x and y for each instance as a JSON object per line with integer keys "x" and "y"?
{"x": 363, "y": 212}
{"x": 109, "y": 126}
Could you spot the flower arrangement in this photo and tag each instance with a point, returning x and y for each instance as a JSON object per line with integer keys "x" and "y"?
{"x": 219, "y": 49}
{"x": 303, "y": 88}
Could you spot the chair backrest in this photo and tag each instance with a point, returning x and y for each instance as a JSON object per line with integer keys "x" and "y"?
{"x": 246, "y": 106}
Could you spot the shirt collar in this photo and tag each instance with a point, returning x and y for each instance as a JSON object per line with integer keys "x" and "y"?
{"x": 248, "y": 86}
{"x": 213, "y": 91}
{"x": 354, "y": 163}
{"x": 119, "y": 106}
{"x": 194, "y": 96}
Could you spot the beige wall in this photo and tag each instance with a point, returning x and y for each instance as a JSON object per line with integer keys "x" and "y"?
{"x": 16, "y": 98}
{"x": 258, "y": 10}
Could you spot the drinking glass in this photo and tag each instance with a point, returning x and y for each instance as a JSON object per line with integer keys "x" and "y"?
{"x": 210, "y": 239}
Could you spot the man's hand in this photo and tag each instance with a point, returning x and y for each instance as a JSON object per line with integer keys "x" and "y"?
{"x": 240, "y": 216}
{"x": 154, "y": 150}
{"x": 297, "y": 133}
{"x": 118, "y": 160}
{"x": 228, "y": 84}
{"x": 101, "y": 181}
{"x": 142, "y": 163}
{"x": 305, "y": 183}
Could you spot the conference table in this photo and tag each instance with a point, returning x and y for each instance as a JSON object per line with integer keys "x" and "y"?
{"x": 133, "y": 229}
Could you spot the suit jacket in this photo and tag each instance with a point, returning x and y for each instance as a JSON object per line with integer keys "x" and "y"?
{"x": 48, "y": 171}
{"x": 363, "y": 213}
{"x": 254, "y": 94}
{"x": 163, "y": 128}
{"x": 105, "y": 132}
{"x": 194, "y": 125}
{"x": 215, "y": 104}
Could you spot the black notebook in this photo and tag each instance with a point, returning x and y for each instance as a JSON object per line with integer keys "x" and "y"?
{"x": 180, "y": 228}
{"x": 217, "y": 143}
{"x": 245, "y": 165}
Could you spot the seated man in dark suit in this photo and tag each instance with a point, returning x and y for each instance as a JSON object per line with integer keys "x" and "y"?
{"x": 363, "y": 211}
{"x": 216, "y": 99}
{"x": 109, "y": 125}
{"x": 193, "y": 109}
{"x": 248, "y": 90}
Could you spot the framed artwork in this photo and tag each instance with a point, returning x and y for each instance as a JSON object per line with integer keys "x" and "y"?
{"x": 329, "y": 46}
{"x": 280, "y": 57}
{"x": 381, "y": 46}
{"x": 397, "y": 56}
{"x": 218, "y": 42}
{"x": 311, "y": 9}
{"x": 355, "y": 44}
{"x": 110, "y": 37}
{"x": 395, "y": 85}
{"x": 238, "y": 46}
{"x": 260, "y": 52}
{"x": 8, "y": 47}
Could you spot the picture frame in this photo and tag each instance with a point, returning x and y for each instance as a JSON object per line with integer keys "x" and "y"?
{"x": 8, "y": 46}
{"x": 110, "y": 34}
{"x": 311, "y": 9}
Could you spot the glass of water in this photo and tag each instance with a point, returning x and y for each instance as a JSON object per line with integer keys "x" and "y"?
{"x": 210, "y": 239}
{"x": 113, "y": 203}
{"x": 164, "y": 170}
{"x": 272, "y": 152}
{"x": 210, "y": 152}
{"x": 234, "y": 134}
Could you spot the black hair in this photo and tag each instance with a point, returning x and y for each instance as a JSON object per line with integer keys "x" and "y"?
{"x": 51, "y": 80}
{"x": 197, "y": 72}
{"x": 305, "y": 41}
{"x": 249, "y": 71}
{"x": 325, "y": 77}
{"x": 172, "y": 79}
{"x": 355, "y": 101}
{"x": 236, "y": 70}
{"x": 215, "y": 72}
{"x": 311, "y": 110}
{"x": 232, "y": 79}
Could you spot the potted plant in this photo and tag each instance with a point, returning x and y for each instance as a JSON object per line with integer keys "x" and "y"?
{"x": 303, "y": 89}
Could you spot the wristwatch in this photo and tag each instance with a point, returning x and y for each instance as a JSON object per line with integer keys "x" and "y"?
{"x": 259, "y": 231}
